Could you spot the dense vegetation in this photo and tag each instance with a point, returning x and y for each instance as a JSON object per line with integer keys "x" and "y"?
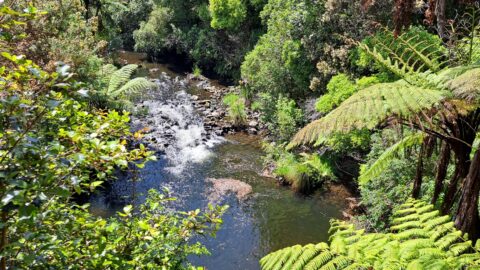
{"x": 382, "y": 95}
{"x": 55, "y": 147}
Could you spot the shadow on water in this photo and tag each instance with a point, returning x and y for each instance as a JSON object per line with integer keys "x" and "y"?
{"x": 272, "y": 217}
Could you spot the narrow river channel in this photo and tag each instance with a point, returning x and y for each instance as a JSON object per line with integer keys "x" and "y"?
{"x": 272, "y": 216}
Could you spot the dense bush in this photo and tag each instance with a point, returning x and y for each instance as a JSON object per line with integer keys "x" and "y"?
{"x": 53, "y": 148}
{"x": 227, "y": 14}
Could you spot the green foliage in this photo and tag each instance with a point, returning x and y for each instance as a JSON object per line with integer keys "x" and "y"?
{"x": 377, "y": 168}
{"x": 339, "y": 88}
{"x": 296, "y": 173}
{"x": 415, "y": 48}
{"x": 153, "y": 33}
{"x": 236, "y": 109}
{"x": 227, "y": 14}
{"x": 151, "y": 236}
{"x": 281, "y": 116}
{"x": 197, "y": 72}
{"x": 320, "y": 165}
{"x": 119, "y": 87}
{"x": 55, "y": 147}
{"x": 369, "y": 107}
{"x": 303, "y": 172}
{"x": 287, "y": 118}
{"x": 277, "y": 64}
{"x": 419, "y": 239}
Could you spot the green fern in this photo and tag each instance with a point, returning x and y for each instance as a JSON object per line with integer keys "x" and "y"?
{"x": 419, "y": 239}
{"x": 368, "y": 173}
{"x": 425, "y": 85}
{"x": 120, "y": 88}
{"x": 370, "y": 107}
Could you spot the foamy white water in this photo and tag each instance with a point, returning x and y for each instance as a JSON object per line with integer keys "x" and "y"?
{"x": 180, "y": 132}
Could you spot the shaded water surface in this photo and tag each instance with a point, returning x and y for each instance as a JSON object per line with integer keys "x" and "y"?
{"x": 272, "y": 217}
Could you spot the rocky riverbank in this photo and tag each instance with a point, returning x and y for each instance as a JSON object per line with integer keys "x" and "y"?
{"x": 189, "y": 111}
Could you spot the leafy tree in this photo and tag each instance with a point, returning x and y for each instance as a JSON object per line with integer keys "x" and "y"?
{"x": 152, "y": 34}
{"x": 278, "y": 64}
{"x": 420, "y": 238}
{"x": 227, "y": 14}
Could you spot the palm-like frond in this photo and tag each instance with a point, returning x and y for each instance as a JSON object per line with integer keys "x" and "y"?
{"x": 121, "y": 77}
{"x": 467, "y": 85}
{"x": 368, "y": 173}
{"x": 133, "y": 87}
{"x": 419, "y": 239}
{"x": 370, "y": 107}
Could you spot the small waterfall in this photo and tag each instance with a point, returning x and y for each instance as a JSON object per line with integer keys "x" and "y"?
{"x": 174, "y": 127}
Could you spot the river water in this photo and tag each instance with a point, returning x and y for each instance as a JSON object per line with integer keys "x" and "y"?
{"x": 272, "y": 217}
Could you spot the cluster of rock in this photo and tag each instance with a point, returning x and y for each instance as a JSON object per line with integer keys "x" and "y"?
{"x": 210, "y": 105}
{"x": 190, "y": 104}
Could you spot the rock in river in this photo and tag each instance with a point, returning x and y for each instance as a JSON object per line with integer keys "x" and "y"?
{"x": 223, "y": 186}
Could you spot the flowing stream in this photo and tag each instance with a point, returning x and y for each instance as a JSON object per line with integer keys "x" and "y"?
{"x": 272, "y": 217}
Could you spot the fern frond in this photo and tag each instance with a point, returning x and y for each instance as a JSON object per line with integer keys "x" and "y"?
{"x": 421, "y": 239}
{"x": 133, "y": 87}
{"x": 370, "y": 107}
{"x": 121, "y": 77}
{"x": 392, "y": 152}
{"x": 467, "y": 85}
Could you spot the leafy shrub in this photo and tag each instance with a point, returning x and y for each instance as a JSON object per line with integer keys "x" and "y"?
{"x": 278, "y": 64}
{"x": 236, "y": 109}
{"x": 227, "y": 14}
{"x": 303, "y": 172}
{"x": 320, "y": 165}
{"x": 287, "y": 119}
{"x": 152, "y": 34}
{"x": 281, "y": 115}
{"x": 294, "y": 172}
{"x": 339, "y": 89}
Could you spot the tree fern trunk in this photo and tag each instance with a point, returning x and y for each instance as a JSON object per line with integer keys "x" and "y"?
{"x": 441, "y": 171}
{"x": 461, "y": 171}
{"x": 417, "y": 184}
{"x": 441, "y": 21}
{"x": 467, "y": 218}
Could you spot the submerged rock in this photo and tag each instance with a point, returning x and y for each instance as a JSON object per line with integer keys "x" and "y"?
{"x": 222, "y": 186}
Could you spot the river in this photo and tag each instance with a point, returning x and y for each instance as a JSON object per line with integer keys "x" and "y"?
{"x": 271, "y": 218}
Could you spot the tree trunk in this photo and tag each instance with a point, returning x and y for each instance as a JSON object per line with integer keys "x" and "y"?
{"x": 442, "y": 167}
{"x": 441, "y": 21}
{"x": 467, "y": 218}
{"x": 417, "y": 184}
{"x": 461, "y": 171}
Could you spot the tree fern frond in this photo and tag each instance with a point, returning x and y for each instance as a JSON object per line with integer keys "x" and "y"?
{"x": 421, "y": 239}
{"x": 121, "y": 77}
{"x": 133, "y": 87}
{"x": 467, "y": 85}
{"x": 368, "y": 173}
{"x": 370, "y": 107}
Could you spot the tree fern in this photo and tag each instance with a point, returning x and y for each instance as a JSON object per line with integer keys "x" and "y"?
{"x": 420, "y": 239}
